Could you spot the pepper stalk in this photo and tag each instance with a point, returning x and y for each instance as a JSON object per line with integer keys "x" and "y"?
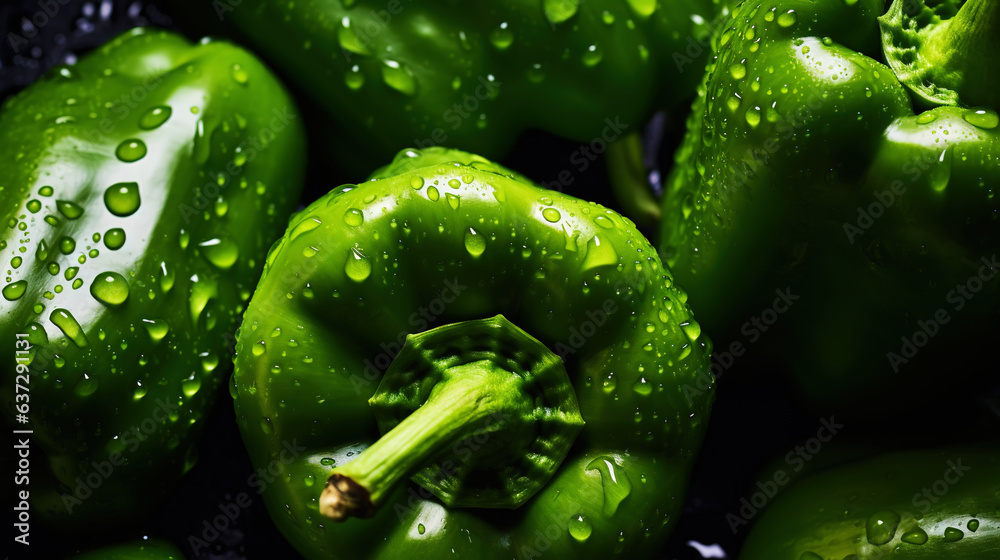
{"x": 485, "y": 381}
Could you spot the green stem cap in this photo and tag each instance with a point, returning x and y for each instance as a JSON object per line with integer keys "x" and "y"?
{"x": 479, "y": 413}
{"x": 949, "y": 61}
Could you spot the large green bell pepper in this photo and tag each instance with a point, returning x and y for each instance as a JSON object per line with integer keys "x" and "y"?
{"x": 806, "y": 169}
{"x": 140, "y": 191}
{"x": 443, "y": 237}
{"x": 910, "y": 505}
{"x": 423, "y": 74}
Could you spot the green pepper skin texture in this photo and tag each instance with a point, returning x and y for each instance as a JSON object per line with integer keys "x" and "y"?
{"x": 834, "y": 514}
{"x": 439, "y": 237}
{"x": 152, "y": 549}
{"x": 441, "y": 73}
{"x": 118, "y": 393}
{"x": 785, "y": 181}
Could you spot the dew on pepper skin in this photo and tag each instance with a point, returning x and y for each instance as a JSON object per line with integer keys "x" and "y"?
{"x": 788, "y": 19}
{"x": 86, "y": 386}
{"x": 354, "y": 79}
{"x": 154, "y": 117}
{"x": 69, "y": 209}
{"x": 453, "y": 200}
{"x": 67, "y": 245}
{"x": 131, "y": 150}
{"x": 914, "y": 536}
{"x": 552, "y": 215}
{"x": 972, "y": 525}
{"x": 357, "y": 267}
{"x": 502, "y": 37}
{"x": 398, "y": 77}
{"x": 14, "y": 290}
{"x": 34, "y": 206}
{"x": 354, "y": 217}
{"x": 110, "y": 288}
{"x": 926, "y": 118}
{"x": 239, "y": 74}
{"x": 614, "y": 481}
{"x": 63, "y": 319}
{"x": 475, "y": 243}
{"x": 642, "y": 387}
{"x": 114, "y": 238}
{"x": 45, "y": 191}
{"x": 156, "y": 328}
{"x": 122, "y": 199}
{"x": 952, "y": 534}
{"x": 579, "y": 528}
{"x": 982, "y": 117}
{"x": 558, "y": 11}
{"x": 221, "y": 252}
{"x": 881, "y": 527}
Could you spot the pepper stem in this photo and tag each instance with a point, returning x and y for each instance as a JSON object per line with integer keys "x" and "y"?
{"x": 461, "y": 405}
{"x": 628, "y": 176}
{"x": 948, "y": 62}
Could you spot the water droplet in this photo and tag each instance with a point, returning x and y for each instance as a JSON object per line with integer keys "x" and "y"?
{"x": 753, "y": 116}
{"x": 157, "y": 329}
{"x": 221, "y": 252}
{"x": 558, "y": 11}
{"x": 68, "y": 325}
{"x": 972, "y": 525}
{"x": 643, "y": 8}
{"x": 110, "y": 288}
{"x": 122, "y": 199}
{"x": 475, "y": 243}
{"x": 982, "y": 117}
{"x": 154, "y": 117}
{"x": 579, "y": 528}
{"x": 69, "y": 209}
{"x": 552, "y": 215}
{"x": 239, "y": 74}
{"x": 114, "y": 238}
{"x": 501, "y": 37}
{"x": 354, "y": 217}
{"x": 453, "y": 200}
{"x": 416, "y": 182}
{"x": 202, "y": 290}
{"x": 737, "y": 70}
{"x": 607, "y": 17}
{"x": 535, "y": 73}
{"x": 692, "y": 329}
{"x": 15, "y": 290}
{"x": 927, "y": 117}
{"x": 349, "y": 40}
{"x": 609, "y": 383}
{"x": 357, "y": 267}
{"x": 881, "y": 527}
{"x": 354, "y": 78}
{"x": 266, "y": 426}
{"x": 131, "y": 150}
{"x": 433, "y": 194}
{"x": 421, "y": 529}
{"x": 86, "y": 386}
{"x": 209, "y": 362}
{"x": 34, "y": 206}
{"x": 140, "y": 391}
{"x": 642, "y": 387}
{"x": 787, "y": 19}
{"x": 592, "y": 56}
{"x": 45, "y": 191}
{"x": 599, "y": 254}
{"x": 914, "y": 536}
{"x": 951, "y": 534}
{"x": 191, "y": 385}
{"x": 940, "y": 175}
{"x": 15, "y": 262}
{"x": 398, "y": 77}
{"x": 616, "y": 483}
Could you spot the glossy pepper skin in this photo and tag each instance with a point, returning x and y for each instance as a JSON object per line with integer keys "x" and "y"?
{"x": 444, "y": 73}
{"x": 141, "y": 190}
{"x": 807, "y": 169}
{"x": 908, "y": 505}
{"x": 147, "y": 549}
{"x": 442, "y": 237}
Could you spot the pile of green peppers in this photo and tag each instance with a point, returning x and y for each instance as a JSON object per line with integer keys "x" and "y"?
{"x": 447, "y": 359}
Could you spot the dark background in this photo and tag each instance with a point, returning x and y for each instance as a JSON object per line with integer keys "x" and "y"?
{"x": 756, "y": 418}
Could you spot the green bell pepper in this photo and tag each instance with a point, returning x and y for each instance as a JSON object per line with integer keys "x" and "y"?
{"x": 596, "y": 408}
{"x": 401, "y": 73}
{"x": 909, "y": 505}
{"x": 146, "y": 549}
{"x": 805, "y": 169}
{"x": 141, "y": 190}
